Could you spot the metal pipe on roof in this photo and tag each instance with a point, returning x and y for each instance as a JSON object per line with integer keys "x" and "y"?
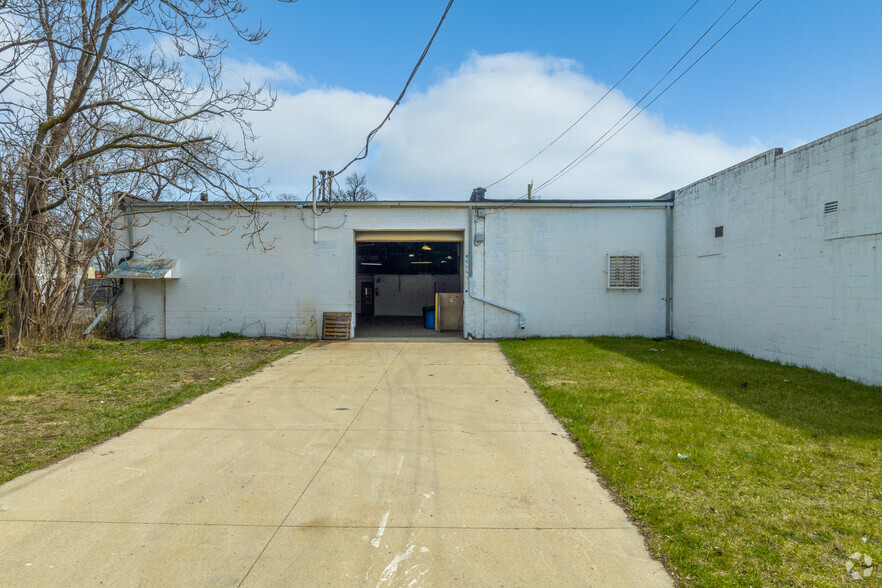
{"x": 433, "y": 204}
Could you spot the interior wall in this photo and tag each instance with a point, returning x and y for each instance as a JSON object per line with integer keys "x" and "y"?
{"x": 406, "y": 295}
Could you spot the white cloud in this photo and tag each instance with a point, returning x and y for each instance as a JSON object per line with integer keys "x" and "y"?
{"x": 478, "y": 123}
{"x": 313, "y": 130}
{"x": 257, "y": 73}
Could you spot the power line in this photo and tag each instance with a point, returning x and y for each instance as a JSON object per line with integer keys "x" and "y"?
{"x": 604, "y": 139}
{"x": 364, "y": 152}
{"x": 597, "y": 143}
{"x": 573, "y": 163}
{"x": 593, "y": 106}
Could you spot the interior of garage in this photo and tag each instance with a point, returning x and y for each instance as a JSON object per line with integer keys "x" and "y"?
{"x": 397, "y": 282}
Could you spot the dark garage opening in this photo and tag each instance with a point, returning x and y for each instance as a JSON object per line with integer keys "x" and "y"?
{"x": 396, "y": 284}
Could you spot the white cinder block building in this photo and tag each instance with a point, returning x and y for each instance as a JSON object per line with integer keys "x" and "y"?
{"x": 777, "y": 256}
{"x": 537, "y": 268}
{"x": 796, "y": 274}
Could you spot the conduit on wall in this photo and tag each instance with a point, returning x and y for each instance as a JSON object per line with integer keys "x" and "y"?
{"x": 471, "y": 280}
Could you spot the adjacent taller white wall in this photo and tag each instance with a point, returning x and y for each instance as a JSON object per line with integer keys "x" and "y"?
{"x": 786, "y": 281}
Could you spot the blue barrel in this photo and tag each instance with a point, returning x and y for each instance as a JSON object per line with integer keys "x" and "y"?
{"x": 430, "y": 319}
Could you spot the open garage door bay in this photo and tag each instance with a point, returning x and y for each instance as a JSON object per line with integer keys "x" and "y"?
{"x": 398, "y": 275}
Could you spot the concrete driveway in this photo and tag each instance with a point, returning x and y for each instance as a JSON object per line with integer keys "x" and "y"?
{"x": 381, "y": 464}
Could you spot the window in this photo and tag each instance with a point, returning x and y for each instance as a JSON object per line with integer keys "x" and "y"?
{"x": 625, "y": 272}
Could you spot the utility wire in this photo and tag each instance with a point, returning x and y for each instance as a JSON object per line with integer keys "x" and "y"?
{"x": 567, "y": 167}
{"x": 603, "y": 139}
{"x": 585, "y": 154}
{"x": 364, "y": 152}
{"x": 601, "y": 99}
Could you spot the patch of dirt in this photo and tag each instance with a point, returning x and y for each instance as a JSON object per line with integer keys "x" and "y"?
{"x": 559, "y": 382}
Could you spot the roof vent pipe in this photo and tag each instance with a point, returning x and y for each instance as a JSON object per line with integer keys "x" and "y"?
{"x": 478, "y": 194}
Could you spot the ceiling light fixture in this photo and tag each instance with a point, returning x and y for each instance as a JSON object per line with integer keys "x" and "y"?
{"x": 426, "y": 248}
{"x": 370, "y": 263}
{"x": 420, "y": 262}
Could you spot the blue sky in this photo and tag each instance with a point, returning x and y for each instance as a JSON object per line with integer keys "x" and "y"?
{"x": 791, "y": 72}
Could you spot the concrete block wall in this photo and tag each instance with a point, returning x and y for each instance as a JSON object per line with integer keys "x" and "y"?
{"x": 280, "y": 291}
{"x": 550, "y": 263}
{"x": 786, "y": 281}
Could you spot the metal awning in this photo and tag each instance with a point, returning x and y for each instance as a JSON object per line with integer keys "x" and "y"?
{"x": 145, "y": 269}
{"x": 412, "y": 236}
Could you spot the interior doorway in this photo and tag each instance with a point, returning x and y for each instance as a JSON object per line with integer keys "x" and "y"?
{"x": 367, "y": 298}
{"x": 398, "y": 275}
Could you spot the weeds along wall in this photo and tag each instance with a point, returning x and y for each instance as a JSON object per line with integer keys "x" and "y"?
{"x": 779, "y": 256}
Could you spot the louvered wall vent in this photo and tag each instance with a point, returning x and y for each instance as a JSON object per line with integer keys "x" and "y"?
{"x": 718, "y": 231}
{"x": 831, "y": 207}
{"x": 625, "y": 272}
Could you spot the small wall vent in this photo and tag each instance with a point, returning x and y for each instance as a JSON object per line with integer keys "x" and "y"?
{"x": 831, "y": 207}
{"x": 718, "y": 231}
{"x": 625, "y": 272}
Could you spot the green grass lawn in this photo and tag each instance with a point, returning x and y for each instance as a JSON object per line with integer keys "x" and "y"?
{"x": 61, "y": 399}
{"x": 744, "y": 472}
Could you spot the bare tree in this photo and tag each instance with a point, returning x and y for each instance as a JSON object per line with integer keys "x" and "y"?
{"x": 355, "y": 190}
{"x": 99, "y": 98}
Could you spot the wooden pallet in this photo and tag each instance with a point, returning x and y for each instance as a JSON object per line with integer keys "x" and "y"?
{"x": 336, "y": 325}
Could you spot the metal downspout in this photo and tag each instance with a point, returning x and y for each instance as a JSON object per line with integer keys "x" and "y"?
{"x": 471, "y": 280}
{"x": 669, "y": 271}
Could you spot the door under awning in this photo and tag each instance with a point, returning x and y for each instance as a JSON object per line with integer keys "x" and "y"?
{"x": 447, "y": 236}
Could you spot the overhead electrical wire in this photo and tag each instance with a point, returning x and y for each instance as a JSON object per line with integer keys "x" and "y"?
{"x": 364, "y": 152}
{"x": 603, "y": 139}
{"x": 648, "y": 92}
{"x": 597, "y": 143}
{"x": 599, "y": 100}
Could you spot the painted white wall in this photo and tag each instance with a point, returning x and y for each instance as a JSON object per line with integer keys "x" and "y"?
{"x": 787, "y": 282}
{"x": 281, "y": 291}
{"x": 551, "y": 265}
{"x": 548, "y": 262}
